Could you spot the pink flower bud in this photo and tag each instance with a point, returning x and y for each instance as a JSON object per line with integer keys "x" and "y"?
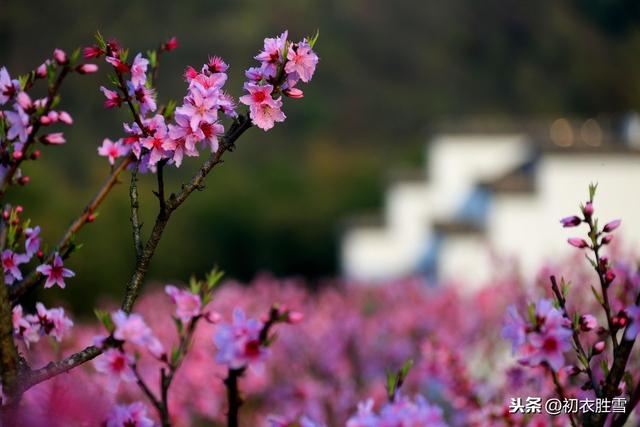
{"x": 65, "y": 117}
{"x": 45, "y": 120}
{"x": 578, "y": 242}
{"x": 87, "y": 68}
{"x": 296, "y": 93}
{"x": 55, "y": 138}
{"x": 606, "y": 239}
{"x": 24, "y": 180}
{"x": 35, "y": 155}
{"x": 609, "y": 227}
{"x": 24, "y": 101}
{"x": 588, "y": 322}
{"x": 599, "y": 347}
{"x": 570, "y": 221}
{"x": 53, "y": 116}
{"x": 41, "y": 71}
{"x": 17, "y": 155}
{"x": 588, "y": 209}
{"x": 60, "y": 56}
{"x": 294, "y": 317}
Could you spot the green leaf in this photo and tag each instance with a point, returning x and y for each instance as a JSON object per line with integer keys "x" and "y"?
{"x": 169, "y": 109}
{"x": 592, "y": 190}
{"x": 213, "y": 278}
{"x": 605, "y": 367}
{"x": 105, "y": 318}
{"x": 531, "y": 311}
{"x": 391, "y": 385}
{"x": 406, "y": 368}
{"x": 175, "y": 355}
{"x": 179, "y": 325}
{"x": 73, "y": 58}
{"x": 153, "y": 58}
{"x": 100, "y": 40}
{"x": 597, "y": 295}
{"x": 312, "y": 40}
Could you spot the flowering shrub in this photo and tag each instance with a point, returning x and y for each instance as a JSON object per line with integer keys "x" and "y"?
{"x": 158, "y": 135}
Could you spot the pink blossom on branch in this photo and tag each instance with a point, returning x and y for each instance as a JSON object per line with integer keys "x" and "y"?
{"x": 116, "y": 365}
{"x": 112, "y": 150}
{"x": 188, "y": 305}
{"x": 132, "y": 415}
{"x": 55, "y": 272}
{"x": 10, "y": 263}
{"x": 239, "y": 343}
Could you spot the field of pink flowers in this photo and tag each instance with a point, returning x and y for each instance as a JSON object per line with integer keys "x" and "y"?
{"x": 337, "y": 356}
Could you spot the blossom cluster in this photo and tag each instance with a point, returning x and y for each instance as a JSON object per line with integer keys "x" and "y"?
{"x": 282, "y": 65}
{"x": 23, "y": 244}
{"x": 21, "y": 116}
{"x": 45, "y": 322}
{"x": 544, "y": 338}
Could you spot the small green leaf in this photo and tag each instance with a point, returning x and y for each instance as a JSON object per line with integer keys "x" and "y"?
{"x": 73, "y": 58}
{"x": 175, "y": 355}
{"x": 605, "y": 367}
{"x": 312, "y": 40}
{"x": 100, "y": 40}
{"x": 597, "y": 295}
{"x": 179, "y": 325}
{"x": 105, "y": 318}
{"x": 592, "y": 190}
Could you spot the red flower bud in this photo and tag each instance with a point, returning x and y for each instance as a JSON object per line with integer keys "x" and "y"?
{"x": 91, "y": 217}
{"x": 171, "y": 44}
{"x": 609, "y": 276}
{"x": 24, "y": 180}
{"x": 35, "y": 155}
{"x": 17, "y": 155}
{"x": 92, "y": 52}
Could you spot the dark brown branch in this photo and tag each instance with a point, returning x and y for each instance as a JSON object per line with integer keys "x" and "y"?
{"x": 634, "y": 398}
{"x": 135, "y": 219}
{"x": 560, "y": 391}
{"x": 233, "y": 396}
{"x": 56, "y": 368}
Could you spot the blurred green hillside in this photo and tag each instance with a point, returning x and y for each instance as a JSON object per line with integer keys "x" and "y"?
{"x": 388, "y": 71}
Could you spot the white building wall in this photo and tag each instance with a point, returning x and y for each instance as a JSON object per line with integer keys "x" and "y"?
{"x": 521, "y": 226}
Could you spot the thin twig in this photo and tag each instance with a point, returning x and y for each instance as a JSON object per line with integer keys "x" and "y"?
{"x": 34, "y": 278}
